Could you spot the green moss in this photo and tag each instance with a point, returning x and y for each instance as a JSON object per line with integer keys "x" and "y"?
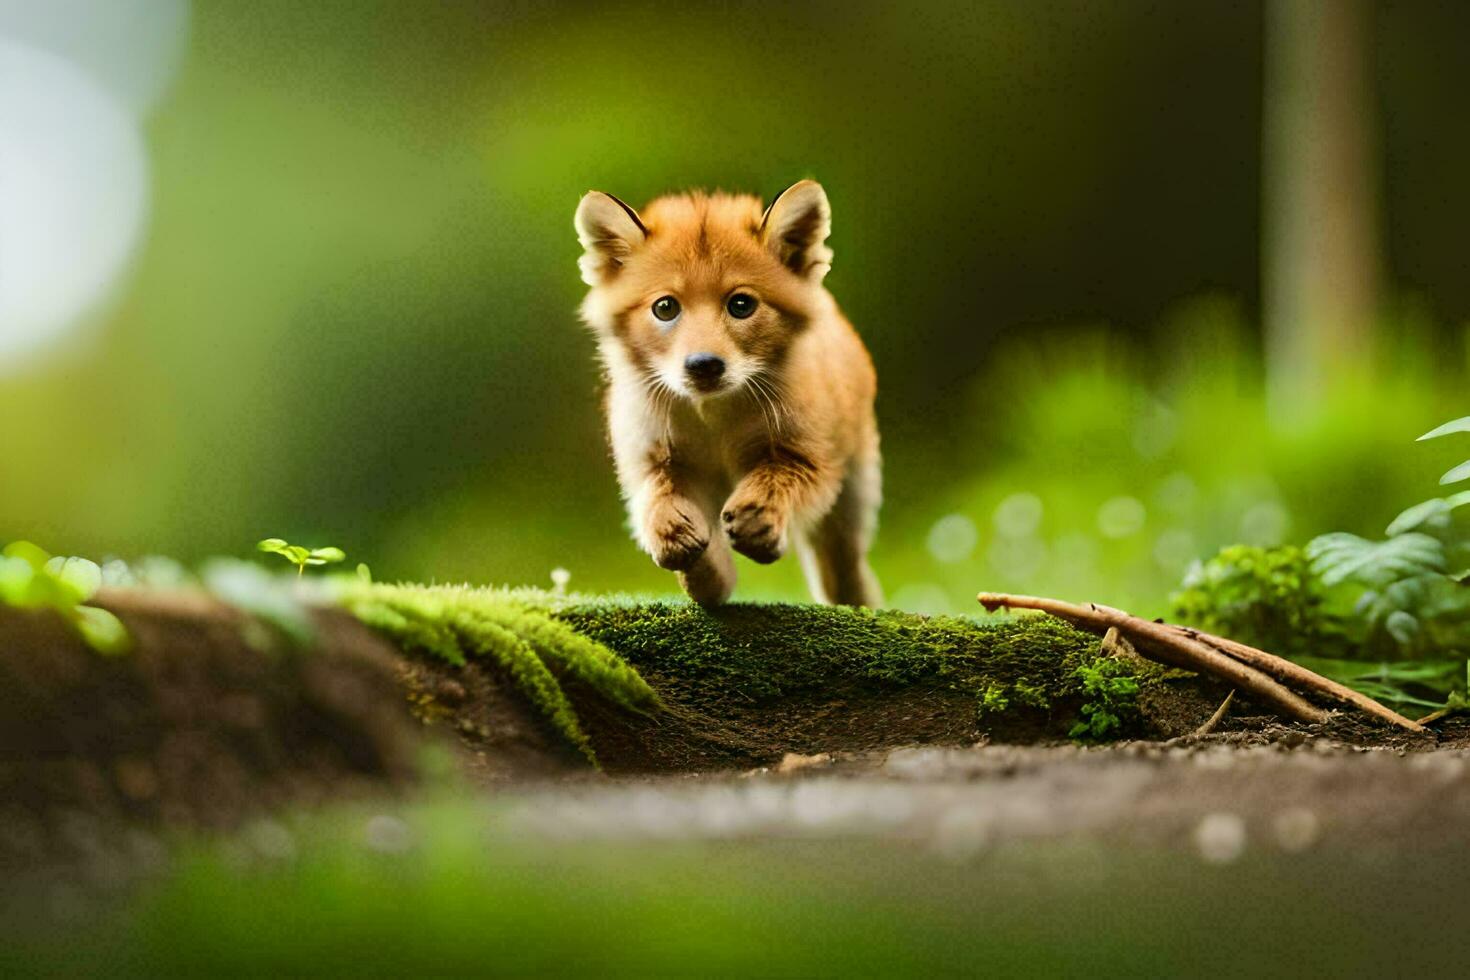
{"x": 454, "y": 623}
{"x": 752, "y": 655}
{"x": 993, "y": 700}
{"x": 1111, "y": 688}
{"x": 757, "y": 654}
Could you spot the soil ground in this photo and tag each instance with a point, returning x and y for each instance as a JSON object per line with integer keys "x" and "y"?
{"x": 204, "y": 726}
{"x": 1267, "y": 788}
{"x": 849, "y": 829}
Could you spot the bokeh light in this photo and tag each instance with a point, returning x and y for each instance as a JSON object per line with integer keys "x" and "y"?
{"x": 75, "y": 79}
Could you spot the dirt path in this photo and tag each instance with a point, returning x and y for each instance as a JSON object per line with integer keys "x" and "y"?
{"x": 1276, "y": 791}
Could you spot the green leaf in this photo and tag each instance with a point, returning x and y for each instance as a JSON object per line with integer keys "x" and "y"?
{"x": 28, "y": 553}
{"x": 1402, "y": 626}
{"x": 1458, "y": 425}
{"x": 103, "y": 631}
{"x": 273, "y": 545}
{"x": 315, "y": 561}
{"x": 329, "y": 554}
{"x": 1339, "y": 557}
{"x": 78, "y": 575}
{"x": 15, "y": 580}
{"x": 296, "y": 553}
{"x": 1461, "y": 472}
{"x": 1390, "y": 682}
{"x": 364, "y": 573}
{"x": 1435, "y": 512}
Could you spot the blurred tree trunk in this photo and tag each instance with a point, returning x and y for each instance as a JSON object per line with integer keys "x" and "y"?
{"x": 1320, "y": 275}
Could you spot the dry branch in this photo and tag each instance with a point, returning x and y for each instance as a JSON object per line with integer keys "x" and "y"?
{"x": 1297, "y": 675}
{"x": 1167, "y": 646}
{"x": 1253, "y": 671}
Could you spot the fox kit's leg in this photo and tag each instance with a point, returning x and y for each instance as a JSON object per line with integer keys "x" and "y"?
{"x": 669, "y": 525}
{"x": 835, "y": 556}
{"x": 671, "y": 518}
{"x": 759, "y": 512}
{"x": 711, "y": 579}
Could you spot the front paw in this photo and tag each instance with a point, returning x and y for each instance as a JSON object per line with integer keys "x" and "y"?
{"x": 677, "y": 534}
{"x": 756, "y": 529}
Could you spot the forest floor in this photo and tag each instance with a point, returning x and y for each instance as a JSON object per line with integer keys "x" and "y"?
{"x": 204, "y": 724}
{"x": 204, "y": 727}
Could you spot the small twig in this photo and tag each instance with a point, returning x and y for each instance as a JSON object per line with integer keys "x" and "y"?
{"x": 1185, "y": 647}
{"x": 1297, "y": 675}
{"x": 1435, "y": 716}
{"x": 1169, "y": 647}
{"x": 1214, "y": 719}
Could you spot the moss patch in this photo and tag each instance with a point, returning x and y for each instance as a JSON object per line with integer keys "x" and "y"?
{"x": 1111, "y": 687}
{"x": 659, "y": 684}
{"x": 747, "y": 678}
{"x": 534, "y": 650}
{"x": 762, "y": 653}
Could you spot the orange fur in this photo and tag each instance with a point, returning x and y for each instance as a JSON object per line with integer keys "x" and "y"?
{"x": 783, "y": 446}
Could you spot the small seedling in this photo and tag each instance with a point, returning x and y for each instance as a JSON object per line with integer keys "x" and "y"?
{"x": 32, "y": 579}
{"x": 299, "y": 556}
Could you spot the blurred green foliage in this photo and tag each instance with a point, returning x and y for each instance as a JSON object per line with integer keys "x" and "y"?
{"x": 1098, "y": 469}
{"x": 353, "y": 319}
{"x": 1267, "y": 597}
{"x": 452, "y": 888}
{"x": 1345, "y": 599}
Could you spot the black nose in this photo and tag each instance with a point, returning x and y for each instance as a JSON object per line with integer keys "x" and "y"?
{"x": 704, "y": 367}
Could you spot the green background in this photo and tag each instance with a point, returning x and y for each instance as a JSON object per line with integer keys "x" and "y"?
{"x": 353, "y": 319}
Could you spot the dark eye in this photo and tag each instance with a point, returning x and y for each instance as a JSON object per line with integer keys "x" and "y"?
{"x": 741, "y": 305}
{"x": 666, "y": 308}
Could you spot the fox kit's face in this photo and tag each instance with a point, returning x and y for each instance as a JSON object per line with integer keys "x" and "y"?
{"x": 702, "y": 295}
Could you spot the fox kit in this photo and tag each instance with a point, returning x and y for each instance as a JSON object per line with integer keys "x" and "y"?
{"x": 740, "y": 400}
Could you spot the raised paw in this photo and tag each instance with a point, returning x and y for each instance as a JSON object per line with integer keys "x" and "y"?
{"x": 756, "y": 529}
{"x": 677, "y": 534}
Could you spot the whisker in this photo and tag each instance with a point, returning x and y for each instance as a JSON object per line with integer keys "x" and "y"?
{"x": 778, "y": 392}
{"x": 755, "y": 397}
{"x": 757, "y": 392}
{"x": 778, "y": 405}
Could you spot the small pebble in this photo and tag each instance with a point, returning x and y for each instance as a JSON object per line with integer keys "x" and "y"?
{"x": 1220, "y": 838}
{"x": 271, "y": 840}
{"x": 795, "y": 762}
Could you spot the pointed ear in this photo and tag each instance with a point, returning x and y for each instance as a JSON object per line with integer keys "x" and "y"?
{"x": 795, "y": 229}
{"x": 609, "y": 230}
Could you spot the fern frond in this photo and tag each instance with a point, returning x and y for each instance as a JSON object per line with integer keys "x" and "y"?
{"x": 1341, "y": 557}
